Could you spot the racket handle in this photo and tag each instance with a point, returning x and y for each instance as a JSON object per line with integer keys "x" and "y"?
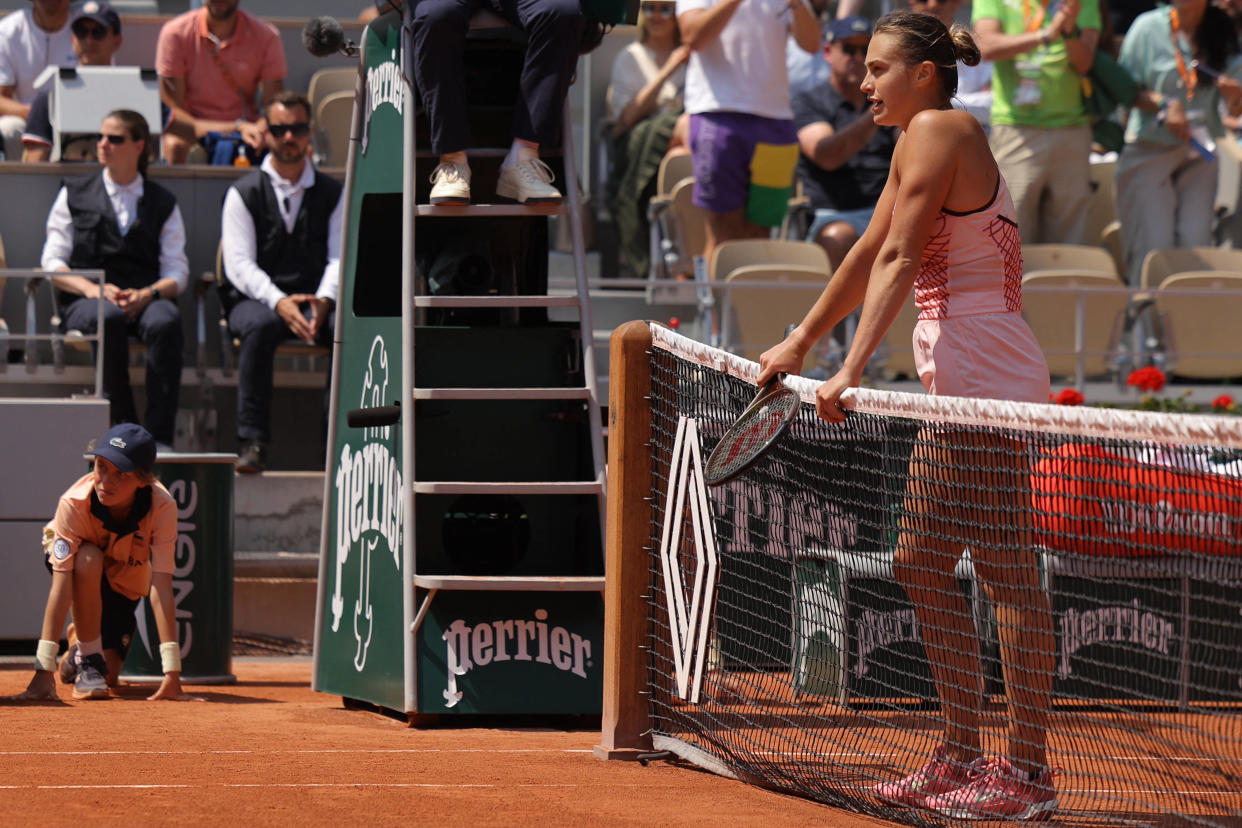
{"x": 377, "y": 417}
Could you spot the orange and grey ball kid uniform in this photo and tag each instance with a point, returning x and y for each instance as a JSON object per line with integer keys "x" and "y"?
{"x": 144, "y": 543}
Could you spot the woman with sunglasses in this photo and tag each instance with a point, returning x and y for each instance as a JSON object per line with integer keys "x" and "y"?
{"x": 645, "y": 107}
{"x": 130, "y": 227}
{"x": 944, "y": 227}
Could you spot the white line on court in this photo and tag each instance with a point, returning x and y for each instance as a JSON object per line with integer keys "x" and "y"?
{"x": 267, "y": 752}
{"x": 499, "y": 785}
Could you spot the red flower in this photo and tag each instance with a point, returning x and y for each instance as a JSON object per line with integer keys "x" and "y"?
{"x": 1069, "y": 396}
{"x": 1146, "y": 379}
{"x": 1222, "y": 403}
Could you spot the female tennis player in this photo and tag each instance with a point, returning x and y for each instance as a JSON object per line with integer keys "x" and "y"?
{"x": 944, "y": 226}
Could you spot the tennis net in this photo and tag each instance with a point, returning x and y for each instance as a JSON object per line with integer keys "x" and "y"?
{"x": 789, "y": 639}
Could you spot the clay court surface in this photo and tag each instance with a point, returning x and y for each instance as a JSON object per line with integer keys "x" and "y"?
{"x": 269, "y": 751}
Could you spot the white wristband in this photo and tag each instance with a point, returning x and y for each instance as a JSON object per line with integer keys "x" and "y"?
{"x": 45, "y": 655}
{"x": 170, "y": 657}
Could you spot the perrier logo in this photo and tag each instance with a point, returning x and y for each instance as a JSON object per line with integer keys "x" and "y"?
{"x": 369, "y": 513}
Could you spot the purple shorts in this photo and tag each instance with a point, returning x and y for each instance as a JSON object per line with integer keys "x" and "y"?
{"x": 743, "y": 161}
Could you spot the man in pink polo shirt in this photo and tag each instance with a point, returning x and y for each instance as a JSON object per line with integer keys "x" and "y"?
{"x": 211, "y": 62}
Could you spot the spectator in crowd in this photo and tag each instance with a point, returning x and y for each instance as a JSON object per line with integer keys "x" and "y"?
{"x": 1040, "y": 133}
{"x": 742, "y": 134}
{"x": 30, "y": 40}
{"x": 111, "y": 543}
{"x": 645, "y": 107}
{"x": 130, "y": 227}
{"x": 281, "y": 244}
{"x": 806, "y": 69}
{"x": 553, "y": 29}
{"x": 212, "y": 62}
{"x": 844, "y": 157}
{"x": 96, "y": 31}
{"x": 974, "y": 83}
{"x": 1186, "y": 57}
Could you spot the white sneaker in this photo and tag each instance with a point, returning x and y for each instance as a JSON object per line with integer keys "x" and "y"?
{"x": 450, "y": 184}
{"x": 528, "y": 182}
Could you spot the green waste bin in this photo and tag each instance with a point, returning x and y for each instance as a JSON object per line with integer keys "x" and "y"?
{"x": 202, "y": 486}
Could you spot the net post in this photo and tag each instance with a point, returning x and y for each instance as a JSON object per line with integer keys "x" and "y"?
{"x": 625, "y": 730}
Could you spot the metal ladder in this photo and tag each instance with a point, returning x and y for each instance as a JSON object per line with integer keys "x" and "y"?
{"x": 569, "y": 210}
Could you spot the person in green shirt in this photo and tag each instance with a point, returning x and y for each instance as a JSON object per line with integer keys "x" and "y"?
{"x": 1040, "y": 134}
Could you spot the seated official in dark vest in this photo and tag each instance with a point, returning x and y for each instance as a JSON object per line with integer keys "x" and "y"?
{"x": 280, "y": 241}
{"x": 129, "y": 227}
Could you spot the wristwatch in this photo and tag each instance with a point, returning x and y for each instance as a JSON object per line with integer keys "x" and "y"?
{"x": 155, "y": 294}
{"x": 1045, "y": 36}
{"x": 1073, "y": 33}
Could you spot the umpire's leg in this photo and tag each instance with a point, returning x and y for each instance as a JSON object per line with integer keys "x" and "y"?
{"x": 439, "y": 38}
{"x": 159, "y": 327}
{"x": 261, "y": 330}
{"x": 553, "y": 30}
{"x": 81, "y": 315}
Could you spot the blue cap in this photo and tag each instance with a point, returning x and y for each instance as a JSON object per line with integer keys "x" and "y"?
{"x": 101, "y": 13}
{"x": 851, "y": 26}
{"x": 127, "y": 446}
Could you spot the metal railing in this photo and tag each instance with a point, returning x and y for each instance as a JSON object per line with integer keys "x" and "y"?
{"x": 57, "y": 339}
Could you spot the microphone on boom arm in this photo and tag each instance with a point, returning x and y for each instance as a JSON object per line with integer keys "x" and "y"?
{"x": 323, "y": 36}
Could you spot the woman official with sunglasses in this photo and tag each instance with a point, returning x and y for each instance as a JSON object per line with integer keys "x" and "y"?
{"x": 120, "y": 222}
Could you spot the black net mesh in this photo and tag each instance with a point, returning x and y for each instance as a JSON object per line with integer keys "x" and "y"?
{"x": 1075, "y": 600}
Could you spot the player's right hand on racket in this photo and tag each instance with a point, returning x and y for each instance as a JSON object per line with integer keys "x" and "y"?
{"x": 785, "y": 358}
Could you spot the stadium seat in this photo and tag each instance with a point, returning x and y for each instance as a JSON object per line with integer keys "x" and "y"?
{"x": 332, "y": 120}
{"x": 664, "y": 255}
{"x": 1198, "y": 332}
{"x": 1110, "y": 240}
{"x": 895, "y": 355}
{"x": 1050, "y": 302}
{"x": 757, "y": 316}
{"x": 329, "y": 81}
{"x": 1102, "y": 210}
{"x": 1081, "y": 258}
{"x": 1161, "y": 264}
{"x": 689, "y": 223}
{"x": 673, "y": 170}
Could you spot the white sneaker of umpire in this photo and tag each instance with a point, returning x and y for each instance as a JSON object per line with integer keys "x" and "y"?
{"x": 528, "y": 182}
{"x": 450, "y": 184}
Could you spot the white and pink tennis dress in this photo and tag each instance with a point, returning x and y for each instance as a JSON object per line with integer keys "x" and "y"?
{"x": 970, "y": 339}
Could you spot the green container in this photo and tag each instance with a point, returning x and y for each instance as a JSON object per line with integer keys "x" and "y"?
{"x": 202, "y": 486}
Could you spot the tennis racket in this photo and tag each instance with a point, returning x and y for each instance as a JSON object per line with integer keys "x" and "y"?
{"x": 753, "y": 433}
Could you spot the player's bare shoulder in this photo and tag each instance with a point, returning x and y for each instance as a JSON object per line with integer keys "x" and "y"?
{"x": 943, "y": 125}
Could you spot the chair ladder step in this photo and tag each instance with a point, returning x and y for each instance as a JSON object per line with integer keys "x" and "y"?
{"x": 502, "y": 393}
{"x": 540, "y": 583}
{"x": 574, "y": 487}
{"x": 528, "y": 301}
{"x": 490, "y": 210}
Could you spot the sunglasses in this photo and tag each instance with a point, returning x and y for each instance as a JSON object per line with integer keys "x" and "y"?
{"x": 300, "y": 130}
{"x": 89, "y": 32}
{"x": 112, "y": 138}
{"x": 854, "y": 50}
{"x": 656, "y": 8}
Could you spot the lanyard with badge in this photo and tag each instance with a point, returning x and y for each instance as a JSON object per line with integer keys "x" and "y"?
{"x": 1029, "y": 65}
{"x": 1201, "y": 142}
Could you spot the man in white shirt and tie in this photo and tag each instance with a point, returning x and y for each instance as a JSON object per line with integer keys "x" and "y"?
{"x": 130, "y": 227}
{"x": 281, "y": 244}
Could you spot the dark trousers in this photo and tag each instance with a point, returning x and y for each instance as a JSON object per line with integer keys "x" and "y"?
{"x": 261, "y": 330}
{"x": 553, "y": 29}
{"x": 158, "y": 328}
